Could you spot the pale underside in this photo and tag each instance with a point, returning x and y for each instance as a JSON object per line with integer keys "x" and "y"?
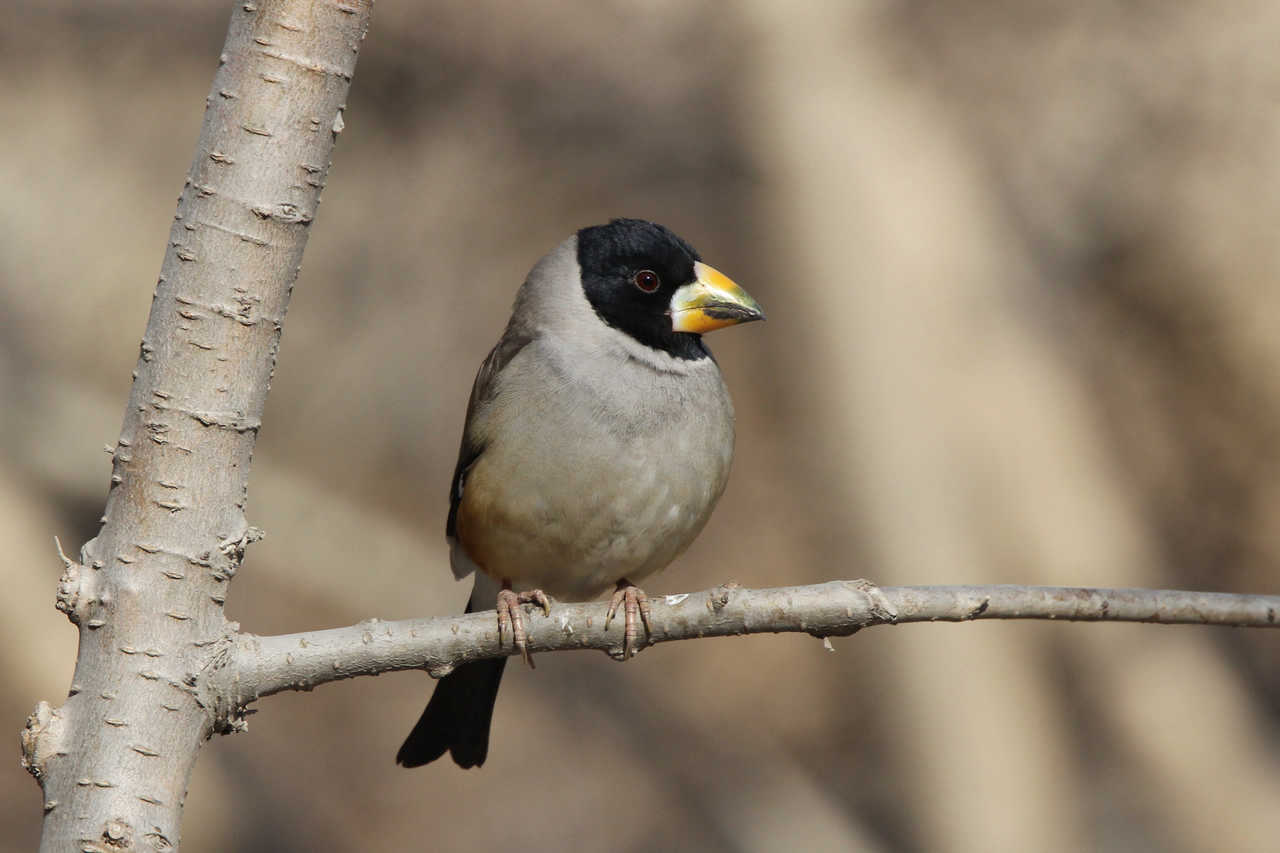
{"x": 577, "y": 487}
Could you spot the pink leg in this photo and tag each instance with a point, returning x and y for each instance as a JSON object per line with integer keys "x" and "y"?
{"x": 511, "y": 616}
{"x": 634, "y": 603}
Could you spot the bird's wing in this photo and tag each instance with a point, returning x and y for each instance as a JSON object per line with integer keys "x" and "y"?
{"x": 482, "y": 392}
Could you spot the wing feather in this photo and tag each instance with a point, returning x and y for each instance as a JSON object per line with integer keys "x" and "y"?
{"x": 482, "y": 392}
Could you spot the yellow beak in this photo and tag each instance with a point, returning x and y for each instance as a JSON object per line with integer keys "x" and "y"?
{"x": 711, "y": 301}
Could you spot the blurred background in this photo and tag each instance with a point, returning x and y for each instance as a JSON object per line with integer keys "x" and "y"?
{"x": 1021, "y": 267}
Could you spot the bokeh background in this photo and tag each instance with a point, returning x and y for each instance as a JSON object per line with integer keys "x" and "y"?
{"x": 1022, "y": 270}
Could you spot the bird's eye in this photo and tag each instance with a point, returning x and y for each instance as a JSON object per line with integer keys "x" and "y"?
{"x": 647, "y": 280}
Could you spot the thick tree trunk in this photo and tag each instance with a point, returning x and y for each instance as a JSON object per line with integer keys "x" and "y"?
{"x": 115, "y": 758}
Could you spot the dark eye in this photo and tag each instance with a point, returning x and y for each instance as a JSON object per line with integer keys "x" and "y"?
{"x": 647, "y": 280}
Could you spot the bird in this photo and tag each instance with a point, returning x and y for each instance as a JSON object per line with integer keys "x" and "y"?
{"x": 598, "y": 438}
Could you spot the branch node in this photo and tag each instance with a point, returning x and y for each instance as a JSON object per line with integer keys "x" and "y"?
{"x": 42, "y": 739}
{"x": 439, "y": 670}
{"x": 118, "y": 834}
{"x": 719, "y": 597}
{"x": 882, "y": 609}
{"x": 228, "y": 713}
{"x": 74, "y": 597}
{"x": 233, "y": 547}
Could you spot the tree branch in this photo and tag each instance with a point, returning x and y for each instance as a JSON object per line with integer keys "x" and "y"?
{"x": 260, "y": 666}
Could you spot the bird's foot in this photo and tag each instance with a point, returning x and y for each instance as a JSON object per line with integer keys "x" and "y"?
{"x": 511, "y": 616}
{"x": 634, "y": 603}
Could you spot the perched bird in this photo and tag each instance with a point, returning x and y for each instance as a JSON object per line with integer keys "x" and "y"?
{"x": 598, "y": 439}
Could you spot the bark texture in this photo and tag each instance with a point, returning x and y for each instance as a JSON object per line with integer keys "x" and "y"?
{"x": 261, "y": 666}
{"x": 147, "y": 593}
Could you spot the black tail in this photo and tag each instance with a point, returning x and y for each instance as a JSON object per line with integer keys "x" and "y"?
{"x": 457, "y": 717}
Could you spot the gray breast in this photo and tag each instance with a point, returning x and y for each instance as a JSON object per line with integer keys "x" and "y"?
{"x": 609, "y": 465}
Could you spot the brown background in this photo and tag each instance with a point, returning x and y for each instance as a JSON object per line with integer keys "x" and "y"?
{"x": 1020, "y": 261}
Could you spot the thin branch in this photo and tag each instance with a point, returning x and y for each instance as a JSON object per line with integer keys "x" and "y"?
{"x": 260, "y": 666}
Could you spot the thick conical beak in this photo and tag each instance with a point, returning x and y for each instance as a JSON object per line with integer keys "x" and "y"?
{"x": 711, "y": 301}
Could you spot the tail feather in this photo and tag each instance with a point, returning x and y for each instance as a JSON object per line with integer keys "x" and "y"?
{"x": 457, "y": 718}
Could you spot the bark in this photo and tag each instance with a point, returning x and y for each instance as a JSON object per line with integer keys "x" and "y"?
{"x": 147, "y": 593}
{"x": 260, "y": 666}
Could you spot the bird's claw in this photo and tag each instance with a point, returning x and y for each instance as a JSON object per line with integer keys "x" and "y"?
{"x": 634, "y": 603}
{"x": 511, "y": 617}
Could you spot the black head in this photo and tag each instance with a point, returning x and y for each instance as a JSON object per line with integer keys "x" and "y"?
{"x": 630, "y": 269}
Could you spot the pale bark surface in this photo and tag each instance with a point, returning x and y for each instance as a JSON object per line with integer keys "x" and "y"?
{"x": 261, "y": 666}
{"x": 148, "y": 591}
